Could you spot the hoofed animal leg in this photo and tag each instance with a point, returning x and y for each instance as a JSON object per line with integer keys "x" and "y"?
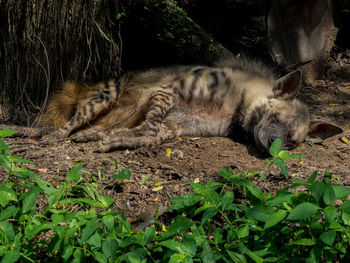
{"x": 92, "y": 107}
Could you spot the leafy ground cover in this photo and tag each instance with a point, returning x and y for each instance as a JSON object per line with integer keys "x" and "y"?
{"x": 230, "y": 220}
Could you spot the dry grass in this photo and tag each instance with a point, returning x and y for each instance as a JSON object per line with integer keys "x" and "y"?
{"x": 46, "y": 42}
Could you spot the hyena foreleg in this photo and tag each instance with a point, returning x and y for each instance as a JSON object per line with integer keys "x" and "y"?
{"x": 89, "y": 109}
{"x": 151, "y": 130}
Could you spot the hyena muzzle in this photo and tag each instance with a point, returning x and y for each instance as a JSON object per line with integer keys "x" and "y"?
{"x": 147, "y": 108}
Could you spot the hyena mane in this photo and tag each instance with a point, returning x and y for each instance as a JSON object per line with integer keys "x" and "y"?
{"x": 149, "y": 107}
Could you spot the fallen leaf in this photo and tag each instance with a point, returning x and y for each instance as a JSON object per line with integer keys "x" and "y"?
{"x": 28, "y": 140}
{"x": 179, "y": 138}
{"x": 344, "y": 140}
{"x": 195, "y": 138}
{"x": 158, "y": 184}
{"x": 168, "y": 152}
{"x": 331, "y": 104}
{"x": 133, "y": 162}
{"x": 79, "y": 161}
{"x": 68, "y": 141}
{"x": 42, "y": 170}
{"x": 157, "y": 189}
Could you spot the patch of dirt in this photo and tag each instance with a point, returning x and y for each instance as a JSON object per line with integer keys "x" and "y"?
{"x": 198, "y": 158}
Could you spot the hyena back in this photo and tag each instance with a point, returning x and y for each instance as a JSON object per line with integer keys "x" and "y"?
{"x": 146, "y": 108}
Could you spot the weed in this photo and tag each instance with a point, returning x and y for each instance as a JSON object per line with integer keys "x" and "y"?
{"x": 71, "y": 222}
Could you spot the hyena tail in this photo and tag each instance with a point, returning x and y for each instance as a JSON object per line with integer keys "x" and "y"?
{"x": 62, "y": 105}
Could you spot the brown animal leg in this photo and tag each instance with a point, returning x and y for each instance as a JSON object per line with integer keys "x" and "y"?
{"x": 124, "y": 141}
{"x": 92, "y": 107}
{"x": 161, "y": 101}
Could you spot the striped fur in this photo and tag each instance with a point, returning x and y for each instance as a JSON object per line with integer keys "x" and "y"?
{"x": 146, "y": 108}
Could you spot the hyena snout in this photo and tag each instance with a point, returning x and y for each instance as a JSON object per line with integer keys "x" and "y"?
{"x": 265, "y": 135}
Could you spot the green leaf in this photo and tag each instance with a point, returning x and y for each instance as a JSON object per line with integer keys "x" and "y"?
{"x": 208, "y": 214}
{"x": 345, "y": 207}
{"x": 276, "y": 147}
{"x": 184, "y": 201}
{"x": 227, "y": 200}
{"x": 341, "y": 192}
{"x": 312, "y": 178}
{"x": 236, "y": 257}
{"x": 218, "y": 236}
{"x": 282, "y": 165}
{"x": 255, "y": 191}
{"x": 190, "y": 244}
{"x": 7, "y": 133}
{"x": 286, "y": 155}
{"x": 330, "y": 212}
{"x": 303, "y": 242}
{"x": 149, "y": 235}
{"x": 74, "y": 173}
{"x": 318, "y": 188}
{"x": 16, "y": 159}
{"x": 302, "y": 211}
{"x": 8, "y": 212}
{"x": 260, "y": 212}
{"x": 123, "y": 174}
{"x": 82, "y": 200}
{"x": 275, "y": 218}
{"x": 11, "y": 256}
{"x": 328, "y": 237}
{"x": 5, "y": 162}
{"x": 346, "y": 218}
{"x": 109, "y": 247}
{"x": 177, "y": 258}
{"x": 100, "y": 257}
{"x": 329, "y": 195}
{"x": 180, "y": 224}
{"x": 243, "y": 232}
{"x": 95, "y": 240}
{"x": 207, "y": 254}
{"x": 77, "y": 256}
{"x": 8, "y": 231}
{"x": 29, "y": 201}
{"x": 174, "y": 245}
{"x": 89, "y": 229}
{"x": 4, "y": 149}
{"x": 107, "y": 201}
{"x": 68, "y": 252}
{"x": 108, "y": 222}
{"x": 6, "y": 195}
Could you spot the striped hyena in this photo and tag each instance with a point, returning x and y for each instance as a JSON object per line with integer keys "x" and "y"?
{"x": 147, "y": 108}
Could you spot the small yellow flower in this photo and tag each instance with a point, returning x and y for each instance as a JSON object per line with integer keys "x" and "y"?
{"x": 164, "y": 229}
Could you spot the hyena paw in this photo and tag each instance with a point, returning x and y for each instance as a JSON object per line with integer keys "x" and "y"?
{"x": 62, "y": 133}
{"x": 102, "y": 147}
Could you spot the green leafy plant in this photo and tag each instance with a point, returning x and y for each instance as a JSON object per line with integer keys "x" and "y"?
{"x": 227, "y": 221}
{"x": 279, "y": 155}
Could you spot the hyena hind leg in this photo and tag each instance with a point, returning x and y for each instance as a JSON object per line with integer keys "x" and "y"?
{"x": 94, "y": 133}
{"x": 92, "y": 107}
{"x": 124, "y": 141}
{"x": 161, "y": 101}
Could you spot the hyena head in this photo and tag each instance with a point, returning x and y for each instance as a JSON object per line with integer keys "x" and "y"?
{"x": 282, "y": 116}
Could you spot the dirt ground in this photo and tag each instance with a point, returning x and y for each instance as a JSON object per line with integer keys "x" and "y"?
{"x": 199, "y": 159}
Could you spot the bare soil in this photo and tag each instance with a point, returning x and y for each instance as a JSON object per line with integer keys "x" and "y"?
{"x": 199, "y": 159}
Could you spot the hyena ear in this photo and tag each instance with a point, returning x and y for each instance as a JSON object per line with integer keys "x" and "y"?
{"x": 322, "y": 129}
{"x": 288, "y": 86}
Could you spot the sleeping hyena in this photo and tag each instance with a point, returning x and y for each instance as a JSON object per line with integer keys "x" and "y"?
{"x": 147, "y": 108}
